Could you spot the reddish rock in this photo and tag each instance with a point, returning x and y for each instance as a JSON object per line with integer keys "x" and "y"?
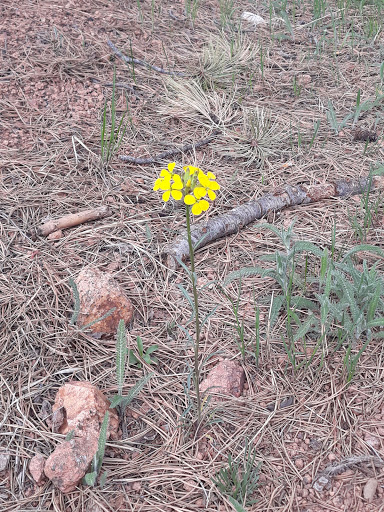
{"x": 227, "y": 378}
{"x": 68, "y": 464}
{"x": 79, "y": 407}
{"x": 99, "y": 293}
{"x": 36, "y": 468}
{"x": 82, "y": 407}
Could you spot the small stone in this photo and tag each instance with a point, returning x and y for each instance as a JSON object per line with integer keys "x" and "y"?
{"x": 56, "y": 235}
{"x": 4, "y": 459}
{"x": 226, "y": 378}
{"x": 100, "y": 293}
{"x": 36, "y": 468}
{"x": 82, "y": 407}
{"x": 321, "y": 483}
{"x": 299, "y": 463}
{"x": 67, "y": 465}
{"x": 136, "y": 486}
{"x": 370, "y": 489}
{"x": 332, "y": 457}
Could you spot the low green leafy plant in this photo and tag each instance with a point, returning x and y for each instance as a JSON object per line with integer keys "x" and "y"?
{"x": 144, "y": 355}
{"x": 363, "y": 220}
{"x": 239, "y": 480}
{"x": 118, "y": 401}
{"x": 91, "y": 477}
{"x": 343, "y": 302}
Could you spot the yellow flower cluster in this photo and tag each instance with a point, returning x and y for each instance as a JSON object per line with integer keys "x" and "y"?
{"x": 193, "y": 186}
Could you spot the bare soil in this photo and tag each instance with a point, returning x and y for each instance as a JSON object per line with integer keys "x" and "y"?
{"x": 55, "y": 63}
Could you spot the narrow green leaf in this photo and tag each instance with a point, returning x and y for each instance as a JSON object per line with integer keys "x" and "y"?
{"x": 126, "y": 400}
{"x": 248, "y": 271}
{"x": 140, "y": 346}
{"x": 151, "y": 349}
{"x": 187, "y": 296}
{"x": 121, "y": 356}
{"x": 90, "y": 478}
{"x": 103, "y": 479}
{"x": 76, "y": 297}
{"x": 116, "y": 400}
{"x": 102, "y": 441}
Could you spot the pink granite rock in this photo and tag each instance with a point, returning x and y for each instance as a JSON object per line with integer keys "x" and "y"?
{"x": 79, "y": 408}
{"x": 67, "y": 465}
{"x": 227, "y": 378}
{"x": 36, "y": 468}
{"x": 84, "y": 407}
{"x": 99, "y": 293}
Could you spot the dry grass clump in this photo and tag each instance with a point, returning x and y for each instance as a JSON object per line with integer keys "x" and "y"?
{"x": 190, "y": 100}
{"x": 260, "y": 137}
{"x": 226, "y": 61}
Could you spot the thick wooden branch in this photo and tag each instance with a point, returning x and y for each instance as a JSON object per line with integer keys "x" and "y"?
{"x": 74, "y": 219}
{"x": 217, "y": 227}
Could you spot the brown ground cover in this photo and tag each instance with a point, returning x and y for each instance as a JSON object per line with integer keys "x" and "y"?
{"x": 55, "y": 64}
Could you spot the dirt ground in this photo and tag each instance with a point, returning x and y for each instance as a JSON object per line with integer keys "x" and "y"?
{"x": 55, "y": 75}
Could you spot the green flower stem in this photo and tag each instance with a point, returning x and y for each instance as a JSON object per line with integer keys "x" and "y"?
{"x": 196, "y": 301}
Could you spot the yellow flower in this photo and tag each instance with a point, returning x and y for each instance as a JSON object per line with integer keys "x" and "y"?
{"x": 208, "y": 181}
{"x": 193, "y": 185}
{"x": 174, "y": 190}
{"x": 164, "y": 182}
{"x": 199, "y": 205}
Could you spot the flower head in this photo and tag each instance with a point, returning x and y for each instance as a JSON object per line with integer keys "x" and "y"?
{"x": 192, "y": 186}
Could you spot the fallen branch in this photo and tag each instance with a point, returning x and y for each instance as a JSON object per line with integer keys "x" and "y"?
{"x": 74, "y": 219}
{"x": 140, "y": 62}
{"x": 223, "y": 225}
{"x": 170, "y": 152}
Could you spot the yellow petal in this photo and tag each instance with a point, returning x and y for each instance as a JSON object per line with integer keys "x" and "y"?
{"x": 199, "y": 192}
{"x": 196, "y": 209}
{"x": 166, "y": 195}
{"x": 211, "y": 176}
{"x": 204, "y": 205}
{"x": 177, "y": 182}
{"x": 171, "y": 166}
{"x": 157, "y": 184}
{"x": 204, "y": 180}
{"x": 211, "y": 195}
{"x": 165, "y": 174}
{"x": 213, "y": 185}
{"x": 176, "y": 194}
{"x": 189, "y": 199}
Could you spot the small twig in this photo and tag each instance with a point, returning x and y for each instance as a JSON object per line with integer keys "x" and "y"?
{"x": 120, "y": 85}
{"x": 140, "y": 62}
{"x": 170, "y": 152}
{"x": 74, "y": 219}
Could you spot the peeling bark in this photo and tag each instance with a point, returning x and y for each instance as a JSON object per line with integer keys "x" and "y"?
{"x": 291, "y": 195}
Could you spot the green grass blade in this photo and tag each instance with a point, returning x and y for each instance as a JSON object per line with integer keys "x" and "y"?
{"x": 121, "y": 356}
